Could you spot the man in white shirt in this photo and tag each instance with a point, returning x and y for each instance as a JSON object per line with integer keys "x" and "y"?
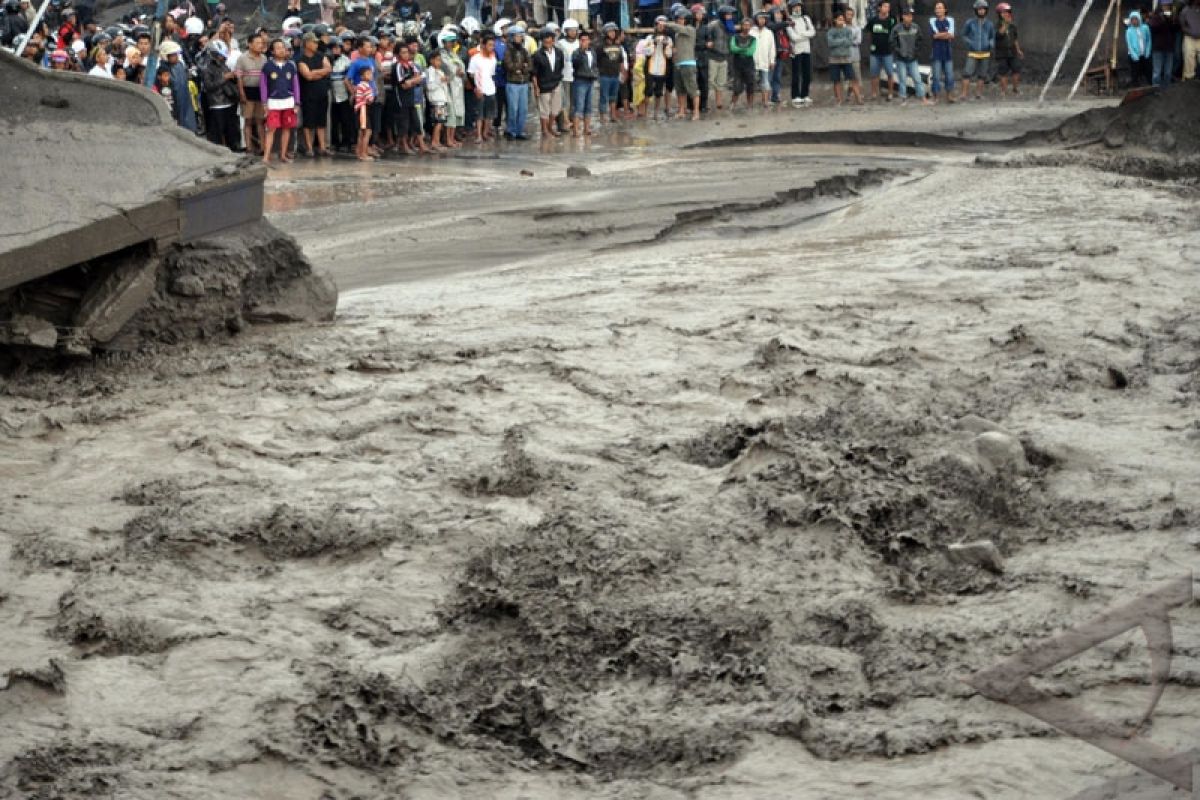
{"x": 482, "y": 69}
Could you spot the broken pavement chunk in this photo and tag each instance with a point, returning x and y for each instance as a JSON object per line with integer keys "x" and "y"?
{"x": 981, "y": 553}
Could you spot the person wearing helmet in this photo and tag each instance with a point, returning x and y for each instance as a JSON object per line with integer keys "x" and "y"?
{"x": 518, "y": 69}
{"x": 979, "y": 34}
{"x": 714, "y": 39}
{"x": 879, "y": 29}
{"x": 941, "y": 30}
{"x": 687, "y": 84}
{"x": 764, "y": 54}
{"x": 800, "y": 32}
{"x": 219, "y": 84}
{"x": 249, "y": 69}
{"x": 547, "y": 83}
{"x": 1008, "y": 52}
{"x": 612, "y": 67}
{"x": 906, "y": 43}
{"x": 567, "y": 45}
{"x": 341, "y": 112}
{"x": 660, "y": 50}
{"x": 182, "y": 109}
{"x": 455, "y": 71}
{"x": 193, "y": 26}
{"x": 315, "y": 71}
{"x": 470, "y": 25}
{"x": 68, "y": 32}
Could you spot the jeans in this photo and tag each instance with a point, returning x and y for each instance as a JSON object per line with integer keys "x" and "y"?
{"x": 609, "y": 87}
{"x": 1164, "y": 67}
{"x": 943, "y": 70}
{"x": 909, "y": 69}
{"x": 776, "y": 79}
{"x": 518, "y": 107}
{"x": 884, "y": 63}
{"x": 569, "y": 98}
{"x": 582, "y": 98}
{"x": 801, "y": 75}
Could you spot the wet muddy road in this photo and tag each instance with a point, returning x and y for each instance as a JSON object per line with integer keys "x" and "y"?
{"x": 640, "y": 485}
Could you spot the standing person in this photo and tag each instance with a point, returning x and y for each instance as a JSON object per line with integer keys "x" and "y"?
{"x": 880, "y": 28}
{"x": 455, "y": 71}
{"x": 1189, "y": 23}
{"x": 980, "y": 36}
{"x": 547, "y": 84}
{"x": 1008, "y": 52}
{"x": 364, "y": 96}
{"x": 220, "y": 96}
{"x": 778, "y": 25}
{"x": 699, "y": 20}
{"x": 842, "y": 52}
{"x": 482, "y": 69}
{"x": 611, "y": 66}
{"x": 567, "y": 46}
{"x": 314, "y": 69}
{"x": 518, "y": 68}
{"x": 764, "y": 54}
{"x": 743, "y": 79}
{"x": 801, "y": 32}
{"x": 437, "y": 91}
{"x": 585, "y": 69}
{"x": 342, "y": 127}
{"x": 658, "y": 62}
{"x": 406, "y": 78}
{"x": 941, "y": 29}
{"x": 181, "y": 95}
{"x": 1162, "y": 44}
{"x": 906, "y": 41}
{"x": 279, "y": 91}
{"x": 716, "y": 38}
{"x": 249, "y": 75}
{"x": 1137, "y": 41}
{"x": 687, "y": 83}
{"x": 365, "y": 59}
{"x": 856, "y": 33}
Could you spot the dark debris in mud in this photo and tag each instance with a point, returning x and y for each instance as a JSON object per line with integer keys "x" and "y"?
{"x": 66, "y": 769}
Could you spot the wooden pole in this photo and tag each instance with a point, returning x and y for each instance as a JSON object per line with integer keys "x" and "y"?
{"x": 1066, "y": 46}
{"x": 1095, "y": 46}
{"x": 1112, "y": 60}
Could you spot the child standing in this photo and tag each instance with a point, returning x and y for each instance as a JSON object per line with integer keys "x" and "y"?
{"x": 364, "y": 96}
{"x": 279, "y": 90}
{"x": 436, "y": 88}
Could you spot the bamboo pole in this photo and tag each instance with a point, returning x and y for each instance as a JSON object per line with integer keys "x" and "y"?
{"x": 1066, "y": 46}
{"x": 1112, "y": 60}
{"x": 1087, "y": 62}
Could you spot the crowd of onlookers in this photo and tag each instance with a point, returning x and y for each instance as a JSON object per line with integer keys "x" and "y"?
{"x": 400, "y": 87}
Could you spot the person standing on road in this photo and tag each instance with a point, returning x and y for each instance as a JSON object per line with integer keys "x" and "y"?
{"x": 715, "y": 40}
{"x": 1137, "y": 41}
{"x": 518, "y": 68}
{"x": 1162, "y": 47}
{"x": 880, "y": 28}
{"x": 687, "y": 84}
{"x": 941, "y": 28}
{"x": 482, "y": 69}
{"x": 801, "y": 32}
{"x": 610, "y": 63}
{"x": 778, "y": 25}
{"x": 567, "y": 46}
{"x": 315, "y": 69}
{"x": 658, "y": 62}
{"x": 842, "y": 52}
{"x": 547, "y": 84}
{"x": 1189, "y": 23}
{"x": 906, "y": 42}
{"x": 699, "y": 18}
{"x": 456, "y": 73}
{"x": 249, "y": 74}
{"x": 744, "y": 79}
{"x": 342, "y": 113}
{"x": 856, "y": 32}
{"x": 1008, "y": 52}
{"x": 279, "y": 91}
{"x": 584, "y": 67}
{"x": 220, "y": 96}
{"x": 764, "y": 54}
{"x": 980, "y": 36}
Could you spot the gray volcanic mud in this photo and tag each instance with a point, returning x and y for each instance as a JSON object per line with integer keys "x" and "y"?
{"x": 672, "y": 519}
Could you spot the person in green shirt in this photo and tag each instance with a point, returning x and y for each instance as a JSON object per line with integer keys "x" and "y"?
{"x": 742, "y": 47}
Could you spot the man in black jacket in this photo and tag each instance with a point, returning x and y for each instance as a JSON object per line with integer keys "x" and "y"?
{"x": 547, "y": 75}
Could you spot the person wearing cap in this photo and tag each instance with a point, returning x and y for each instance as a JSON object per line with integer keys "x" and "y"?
{"x": 518, "y": 67}
{"x": 249, "y": 69}
{"x": 182, "y": 108}
{"x": 342, "y": 129}
{"x": 979, "y": 34}
{"x": 1008, "y": 52}
{"x": 764, "y": 54}
{"x": 60, "y": 61}
{"x": 547, "y": 83}
{"x": 660, "y": 49}
{"x": 687, "y": 84}
{"x": 315, "y": 69}
{"x": 68, "y": 32}
{"x": 906, "y": 42}
{"x": 220, "y": 97}
{"x": 279, "y": 91}
{"x": 800, "y": 32}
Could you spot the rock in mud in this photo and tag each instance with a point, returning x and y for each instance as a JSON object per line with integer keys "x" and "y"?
{"x": 576, "y": 171}
{"x": 982, "y": 553}
{"x": 187, "y": 286}
{"x": 1001, "y": 452}
{"x": 311, "y": 298}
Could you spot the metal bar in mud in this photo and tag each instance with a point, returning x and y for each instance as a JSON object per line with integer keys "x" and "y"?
{"x": 1066, "y": 46}
{"x": 1087, "y": 62}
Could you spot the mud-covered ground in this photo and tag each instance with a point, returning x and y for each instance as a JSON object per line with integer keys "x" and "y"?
{"x": 664, "y": 512}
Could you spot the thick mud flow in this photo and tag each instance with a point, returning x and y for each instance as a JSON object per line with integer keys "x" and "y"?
{"x": 663, "y": 498}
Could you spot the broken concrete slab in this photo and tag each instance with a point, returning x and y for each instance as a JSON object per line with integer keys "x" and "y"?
{"x": 112, "y": 301}
{"x": 982, "y": 553}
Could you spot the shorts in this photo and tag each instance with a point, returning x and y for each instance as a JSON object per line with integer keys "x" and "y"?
{"x": 976, "y": 68}
{"x": 685, "y": 79}
{"x": 856, "y": 70}
{"x": 278, "y": 118}
{"x": 1008, "y": 65}
{"x": 762, "y": 78}
{"x": 743, "y": 79}
{"x": 655, "y": 85}
{"x": 252, "y": 110}
{"x": 841, "y": 72}
{"x": 718, "y": 75}
{"x": 487, "y": 107}
{"x": 549, "y": 103}
{"x": 881, "y": 63}
{"x": 439, "y": 112}
{"x": 314, "y": 111}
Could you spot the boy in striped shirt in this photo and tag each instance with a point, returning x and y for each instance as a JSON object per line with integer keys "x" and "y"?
{"x": 364, "y": 95}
